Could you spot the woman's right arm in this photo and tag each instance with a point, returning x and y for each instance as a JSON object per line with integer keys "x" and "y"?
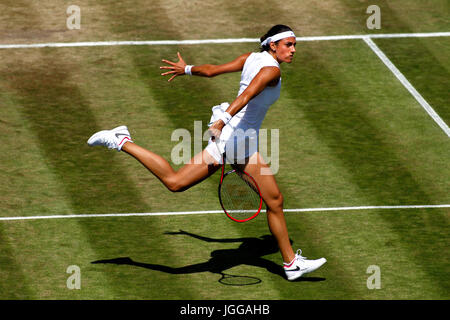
{"x": 204, "y": 70}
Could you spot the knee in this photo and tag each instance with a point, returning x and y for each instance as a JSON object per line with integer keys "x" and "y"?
{"x": 275, "y": 203}
{"x": 174, "y": 185}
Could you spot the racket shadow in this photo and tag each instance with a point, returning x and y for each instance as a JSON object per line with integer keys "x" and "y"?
{"x": 250, "y": 252}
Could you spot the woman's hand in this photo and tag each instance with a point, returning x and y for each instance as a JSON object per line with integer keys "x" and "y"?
{"x": 216, "y": 129}
{"x": 177, "y": 69}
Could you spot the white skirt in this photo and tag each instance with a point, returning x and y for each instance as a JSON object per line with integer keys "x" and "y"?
{"x": 237, "y": 144}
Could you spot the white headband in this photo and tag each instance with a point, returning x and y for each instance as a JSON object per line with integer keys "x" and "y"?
{"x": 278, "y": 36}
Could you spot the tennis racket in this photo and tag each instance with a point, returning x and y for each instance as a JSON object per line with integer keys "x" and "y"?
{"x": 239, "y": 194}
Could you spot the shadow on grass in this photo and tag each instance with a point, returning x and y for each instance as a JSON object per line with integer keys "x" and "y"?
{"x": 250, "y": 252}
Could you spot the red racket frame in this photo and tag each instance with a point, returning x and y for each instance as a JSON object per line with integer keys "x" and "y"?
{"x": 220, "y": 198}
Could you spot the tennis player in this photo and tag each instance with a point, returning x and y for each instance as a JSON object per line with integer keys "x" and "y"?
{"x": 259, "y": 88}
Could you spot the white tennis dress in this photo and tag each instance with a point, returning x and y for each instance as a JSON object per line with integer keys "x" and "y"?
{"x": 239, "y": 138}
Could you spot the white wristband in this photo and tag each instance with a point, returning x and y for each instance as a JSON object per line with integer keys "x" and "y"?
{"x": 188, "y": 70}
{"x": 225, "y": 117}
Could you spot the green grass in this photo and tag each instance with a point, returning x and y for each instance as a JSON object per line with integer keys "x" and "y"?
{"x": 350, "y": 135}
{"x": 407, "y": 270}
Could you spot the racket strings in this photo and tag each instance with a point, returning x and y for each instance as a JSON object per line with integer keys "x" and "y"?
{"x": 248, "y": 181}
{"x": 239, "y": 195}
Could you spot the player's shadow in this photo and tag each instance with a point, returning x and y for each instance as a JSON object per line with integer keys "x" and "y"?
{"x": 250, "y": 252}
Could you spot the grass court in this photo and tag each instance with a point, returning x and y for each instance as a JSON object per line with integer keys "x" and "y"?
{"x": 350, "y": 135}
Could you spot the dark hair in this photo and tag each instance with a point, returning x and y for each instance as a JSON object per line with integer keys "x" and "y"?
{"x": 273, "y": 31}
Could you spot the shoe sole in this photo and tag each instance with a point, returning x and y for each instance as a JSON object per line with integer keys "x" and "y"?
{"x": 298, "y": 275}
{"x": 95, "y": 135}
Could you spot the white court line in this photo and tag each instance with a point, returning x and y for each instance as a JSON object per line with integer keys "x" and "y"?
{"x": 408, "y": 85}
{"x": 215, "y": 41}
{"x": 69, "y": 216}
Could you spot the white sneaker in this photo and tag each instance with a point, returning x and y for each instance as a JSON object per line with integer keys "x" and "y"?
{"x": 300, "y": 265}
{"x": 113, "y": 139}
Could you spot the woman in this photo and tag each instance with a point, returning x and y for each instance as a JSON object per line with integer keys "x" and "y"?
{"x": 259, "y": 88}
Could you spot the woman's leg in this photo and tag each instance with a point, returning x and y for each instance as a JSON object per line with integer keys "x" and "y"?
{"x": 199, "y": 168}
{"x": 274, "y": 201}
